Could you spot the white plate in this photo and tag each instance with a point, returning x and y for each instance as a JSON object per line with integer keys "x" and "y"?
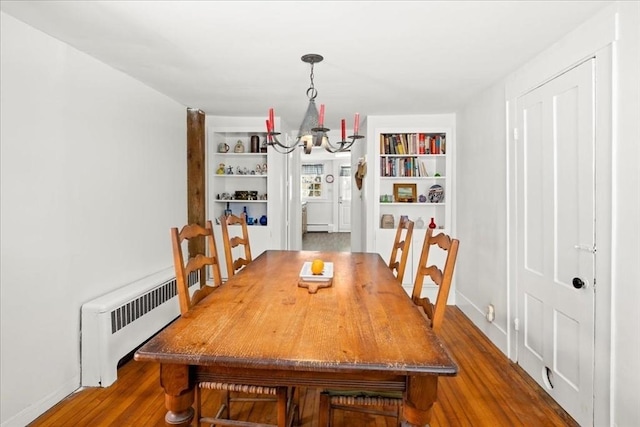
{"x": 306, "y": 274}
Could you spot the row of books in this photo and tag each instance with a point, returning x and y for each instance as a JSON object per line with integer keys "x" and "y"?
{"x": 413, "y": 143}
{"x": 402, "y": 166}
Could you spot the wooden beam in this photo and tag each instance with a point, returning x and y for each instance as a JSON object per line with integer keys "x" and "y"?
{"x": 196, "y": 169}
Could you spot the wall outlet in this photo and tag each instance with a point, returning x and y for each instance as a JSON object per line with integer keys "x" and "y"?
{"x": 491, "y": 313}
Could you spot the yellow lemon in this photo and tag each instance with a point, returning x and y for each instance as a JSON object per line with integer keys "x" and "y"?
{"x": 317, "y": 266}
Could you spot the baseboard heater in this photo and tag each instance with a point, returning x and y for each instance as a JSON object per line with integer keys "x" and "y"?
{"x": 315, "y": 228}
{"x": 115, "y": 324}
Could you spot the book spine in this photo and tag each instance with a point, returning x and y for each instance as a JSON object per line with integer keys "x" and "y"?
{"x": 421, "y": 145}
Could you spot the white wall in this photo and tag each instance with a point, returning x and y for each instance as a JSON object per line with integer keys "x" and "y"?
{"x": 626, "y": 227}
{"x": 482, "y": 144}
{"x": 93, "y": 175}
{"x": 481, "y": 208}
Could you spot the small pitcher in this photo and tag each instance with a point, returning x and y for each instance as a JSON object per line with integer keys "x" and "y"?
{"x": 239, "y": 148}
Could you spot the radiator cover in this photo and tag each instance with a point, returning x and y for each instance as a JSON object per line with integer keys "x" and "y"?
{"x": 117, "y": 323}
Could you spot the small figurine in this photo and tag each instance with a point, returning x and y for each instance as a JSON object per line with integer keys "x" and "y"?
{"x": 258, "y": 169}
{"x": 230, "y": 170}
{"x": 264, "y": 169}
{"x": 220, "y": 170}
{"x": 239, "y": 148}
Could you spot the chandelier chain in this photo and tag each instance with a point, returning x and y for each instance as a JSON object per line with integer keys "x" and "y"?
{"x": 312, "y": 93}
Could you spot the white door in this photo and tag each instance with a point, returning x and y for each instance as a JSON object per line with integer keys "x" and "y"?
{"x": 344, "y": 199}
{"x": 556, "y": 238}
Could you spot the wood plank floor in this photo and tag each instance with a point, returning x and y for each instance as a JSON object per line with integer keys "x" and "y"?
{"x": 489, "y": 391}
{"x": 317, "y": 241}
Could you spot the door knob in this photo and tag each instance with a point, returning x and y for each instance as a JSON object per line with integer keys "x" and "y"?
{"x": 578, "y": 283}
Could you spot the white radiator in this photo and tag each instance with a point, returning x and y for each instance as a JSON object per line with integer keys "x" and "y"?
{"x": 115, "y": 324}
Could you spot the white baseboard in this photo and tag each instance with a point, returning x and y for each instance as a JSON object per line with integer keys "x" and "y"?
{"x": 33, "y": 411}
{"x": 319, "y": 227}
{"x": 496, "y": 334}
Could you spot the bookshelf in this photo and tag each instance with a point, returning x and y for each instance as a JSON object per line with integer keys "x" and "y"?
{"x": 417, "y": 161}
{"x": 242, "y": 177}
{"x": 412, "y": 176}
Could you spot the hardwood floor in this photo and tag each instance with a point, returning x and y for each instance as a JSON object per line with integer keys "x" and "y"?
{"x": 340, "y": 242}
{"x": 488, "y": 391}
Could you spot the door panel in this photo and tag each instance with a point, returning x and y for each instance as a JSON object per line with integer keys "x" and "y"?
{"x": 555, "y": 233}
{"x": 534, "y": 214}
{"x": 533, "y": 331}
{"x": 344, "y": 199}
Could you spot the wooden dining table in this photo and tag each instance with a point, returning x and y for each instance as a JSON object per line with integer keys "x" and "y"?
{"x": 260, "y": 327}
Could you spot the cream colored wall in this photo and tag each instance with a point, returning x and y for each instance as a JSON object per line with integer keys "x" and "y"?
{"x": 93, "y": 175}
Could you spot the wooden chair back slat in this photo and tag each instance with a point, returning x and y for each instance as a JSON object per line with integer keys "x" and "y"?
{"x": 401, "y": 245}
{"x": 195, "y": 262}
{"x": 442, "y": 277}
{"x": 231, "y": 242}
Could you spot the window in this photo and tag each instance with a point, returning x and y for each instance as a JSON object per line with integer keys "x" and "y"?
{"x": 311, "y": 181}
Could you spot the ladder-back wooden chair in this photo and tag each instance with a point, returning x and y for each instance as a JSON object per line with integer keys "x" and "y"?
{"x": 207, "y": 265}
{"x": 401, "y": 246}
{"x": 442, "y": 277}
{"x": 389, "y": 404}
{"x": 231, "y": 242}
{"x": 286, "y": 411}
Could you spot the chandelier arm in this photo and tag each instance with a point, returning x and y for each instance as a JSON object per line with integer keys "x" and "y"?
{"x": 275, "y": 141}
{"x": 343, "y": 146}
{"x": 334, "y": 148}
{"x": 280, "y": 147}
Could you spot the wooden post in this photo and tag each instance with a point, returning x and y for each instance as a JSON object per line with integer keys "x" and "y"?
{"x": 196, "y": 169}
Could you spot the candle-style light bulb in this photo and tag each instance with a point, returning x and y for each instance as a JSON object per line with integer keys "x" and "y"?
{"x": 272, "y": 122}
{"x": 321, "y": 116}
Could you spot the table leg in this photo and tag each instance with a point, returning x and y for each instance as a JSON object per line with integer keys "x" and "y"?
{"x": 419, "y": 398}
{"x": 178, "y": 394}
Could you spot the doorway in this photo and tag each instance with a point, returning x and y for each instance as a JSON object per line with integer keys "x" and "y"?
{"x": 555, "y": 234}
{"x": 325, "y": 183}
{"x": 344, "y": 198}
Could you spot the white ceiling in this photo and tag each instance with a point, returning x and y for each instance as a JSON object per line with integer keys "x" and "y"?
{"x": 238, "y": 58}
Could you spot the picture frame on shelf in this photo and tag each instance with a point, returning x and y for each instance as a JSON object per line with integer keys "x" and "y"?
{"x": 404, "y": 193}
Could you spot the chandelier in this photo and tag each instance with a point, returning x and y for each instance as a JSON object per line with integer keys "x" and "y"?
{"x": 312, "y": 132}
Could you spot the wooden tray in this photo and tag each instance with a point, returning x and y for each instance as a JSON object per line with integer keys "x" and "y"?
{"x": 313, "y": 286}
